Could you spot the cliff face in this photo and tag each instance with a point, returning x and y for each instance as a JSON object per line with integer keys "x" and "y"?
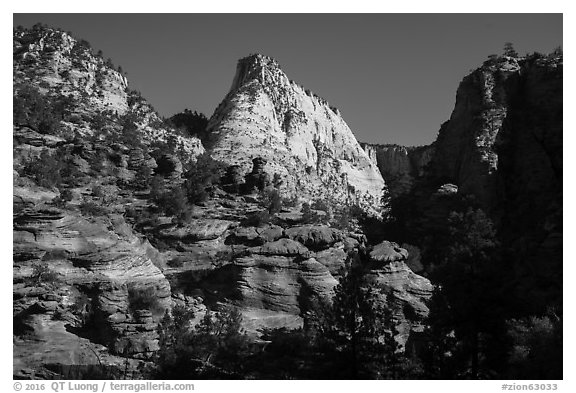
{"x": 304, "y": 140}
{"x": 530, "y": 175}
{"x": 400, "y": 166}
{"x": 502, "y": 146}
{"x": 472, "y": 145}
{"x": 503, "y": 142}
{"x": 465, "y": 148}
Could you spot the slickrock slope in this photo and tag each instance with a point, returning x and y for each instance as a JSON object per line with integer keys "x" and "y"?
{"x": 300, "y": 137}
{"x": 400, "y": 166}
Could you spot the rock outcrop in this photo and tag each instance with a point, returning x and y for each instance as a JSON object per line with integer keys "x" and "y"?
{"x": 300, "y": 137}
{"x": 408, "y": 293}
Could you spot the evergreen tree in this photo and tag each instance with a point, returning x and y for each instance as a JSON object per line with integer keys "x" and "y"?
{"x": 509, "y": 50}
{"x": 467, "y": 316}
{"x": 358, "y": 329}
{"x": 193, "y": 123}
{"x": 216, "y": 347}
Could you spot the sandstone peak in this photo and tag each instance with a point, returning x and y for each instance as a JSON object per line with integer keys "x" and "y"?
{"x": 256, "y": 67}
{"x": 305, "y": 142}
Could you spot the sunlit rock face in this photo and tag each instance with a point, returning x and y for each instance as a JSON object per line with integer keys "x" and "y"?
{"x": 301, "y": 138}
{"x": 59, "y": 65}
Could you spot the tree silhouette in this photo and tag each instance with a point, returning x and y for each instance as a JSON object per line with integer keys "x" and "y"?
{"x": 467, "y": 313}
{"x": 509, "y": 50}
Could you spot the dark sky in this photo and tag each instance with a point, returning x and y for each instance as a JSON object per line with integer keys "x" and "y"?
{"x": 393, "y": 76}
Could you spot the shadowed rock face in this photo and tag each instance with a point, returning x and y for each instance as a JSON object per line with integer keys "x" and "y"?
{"x": 400, "y": 166}
{"x": 300, "y": 137}
{"x": 506, "y": 110}
{"x": 502, "y": 146}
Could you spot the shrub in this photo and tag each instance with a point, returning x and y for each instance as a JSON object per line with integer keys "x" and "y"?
{"x": 82, "y": 308}
{"x": 308, "y": 216}
{"x": 319, "y": 204}
{"x": 257, "y": 219}
{"x": 277, "y": 180}
{"x": 89, "y": 208}
{"x": 143, "y": 299}
{"x": 348, "y": 217}
{"x": 509, "y": 50}
{"x": 223, "y": 257}
{"x": 129, "y": 134}
{"x": 176, "y": 262}
{"x": 232, "y": 179}
{"x": 41, "y": 273}
{"x": 34, "y": 110}
{"x": 45, "y": 170}
{"x": 174, "y": 202}
{"x": 215, "y": 348}
{"x": 201, "y": 175}
{"x": 290, "y": 202}
{"x": 272, "y": 201}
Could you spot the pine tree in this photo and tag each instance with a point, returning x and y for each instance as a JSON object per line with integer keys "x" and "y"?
{"x": 509, "y": 50}
{"x": 362, "y": 327}
{"x": 467, "y": 319}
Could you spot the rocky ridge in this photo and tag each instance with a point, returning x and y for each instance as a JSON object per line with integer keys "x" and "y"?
{"x": 58, "y": 65}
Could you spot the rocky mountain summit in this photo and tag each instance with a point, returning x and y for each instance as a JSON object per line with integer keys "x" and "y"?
{"x": 299, "y": 135}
